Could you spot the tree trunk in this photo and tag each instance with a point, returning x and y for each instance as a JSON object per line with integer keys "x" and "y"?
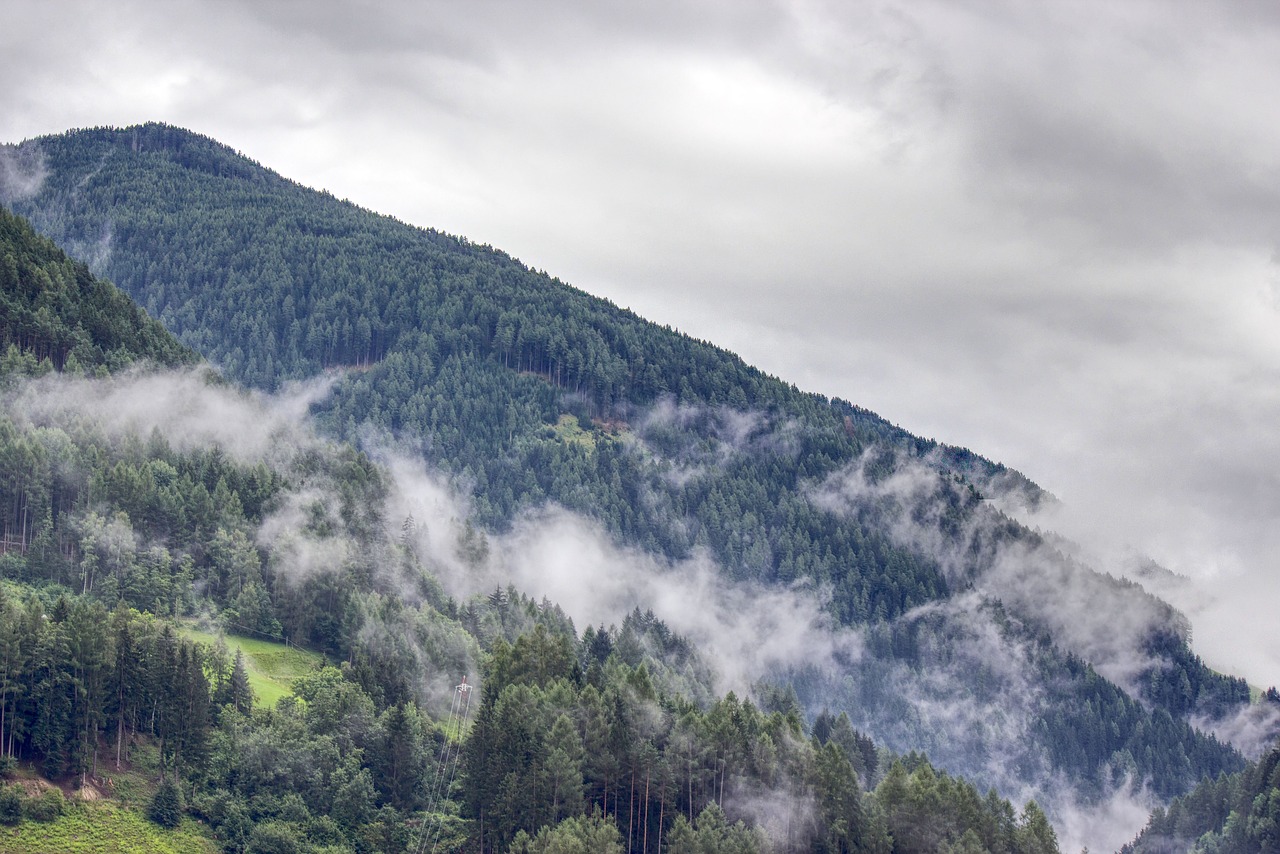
{"x": 662, "y": 811}
{"x": 691, "y": 787}
{"x": 631, "y": 809}
{"x": 644, "y": 846}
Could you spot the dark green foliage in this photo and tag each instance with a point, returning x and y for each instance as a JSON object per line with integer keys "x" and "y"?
{"x": 479, "y": 360}
{"x": 584, "y": 834}
{"x": 54, "y": 313}
{"x": 524, "y": 390}
{"x": 474, "y": 356}
{"x": 65, "y": 688}
{"x": 398, "y": 756}
{"x": 672, "y": 776}
{"x": 549, "y": 744}
{"x": 76, "y": 507}
{"x": 46, "y": 806}
{"x": 1085, "y": 725}
{"x": 10, "y": 805}
{"x": 1182, "y": 684}
{"x": 858, "y": 749}
{"x": 927, "y": 811}
{"x": 1232, "y": 814}
{"x": 165, "y": 808}
{"x": 239, "y": 693}
{"x": 353, "y": 799}
{"x": 712, "y": 832}
{"x": 273, "y": 837}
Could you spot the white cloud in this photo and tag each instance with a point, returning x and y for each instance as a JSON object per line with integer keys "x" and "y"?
{"x": 187, "y": 407}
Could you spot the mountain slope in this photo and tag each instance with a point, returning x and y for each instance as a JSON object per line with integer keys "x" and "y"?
{"x": 462, "y": 346}
{"x": 164, "y": 492}
{"x": 1234, "y": 814}
{"x": 528, "y": 391}
{"x": 52, "y": 310}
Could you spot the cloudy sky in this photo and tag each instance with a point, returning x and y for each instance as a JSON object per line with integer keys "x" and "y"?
{"x": 1045, "y": 231}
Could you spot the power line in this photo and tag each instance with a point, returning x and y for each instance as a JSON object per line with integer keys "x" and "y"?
{"x": 447, "y": 767}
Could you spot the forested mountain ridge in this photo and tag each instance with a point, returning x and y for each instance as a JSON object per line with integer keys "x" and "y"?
{"x": 528, "y": 391}
{"x": 138, "y": 523}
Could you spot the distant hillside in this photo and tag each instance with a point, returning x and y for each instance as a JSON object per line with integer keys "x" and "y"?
{"x": 55, "y": 315}
{"x": 143, "y": 500}
{"x": 476, "y": 355}
{"x": 1233, "y": 814}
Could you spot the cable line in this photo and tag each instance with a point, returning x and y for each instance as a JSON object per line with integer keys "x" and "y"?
{"x": 446, "y": 769}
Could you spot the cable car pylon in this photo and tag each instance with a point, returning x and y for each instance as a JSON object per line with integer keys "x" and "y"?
{"x": 447, "y": 767}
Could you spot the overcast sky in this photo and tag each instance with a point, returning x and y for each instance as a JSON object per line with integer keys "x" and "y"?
{"x": 1044, "y": 231}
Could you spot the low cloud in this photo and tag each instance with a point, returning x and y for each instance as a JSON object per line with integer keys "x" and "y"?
{"x": 190, "y": 408}
{"x": 1253, "y": 729}
{"x": 972, "y": 704}
{"x": 780, "y": 812}
{"x": 291, "y": 534}
{"x": 22, "y": 171}
{"x": 1105, "y": 825}
{"x": 1103, "y": 619}
{"x": 575, "y": 564}
{"x": 691, "y": 440}
{"x": 572, "y": 562}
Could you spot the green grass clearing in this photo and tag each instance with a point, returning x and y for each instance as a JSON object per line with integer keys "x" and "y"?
{"x": 570, "y": 431}
{"x": 272, "y": 666}
{"x": 104, "y": 828}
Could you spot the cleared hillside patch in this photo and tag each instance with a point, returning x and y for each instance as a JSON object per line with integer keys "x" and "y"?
{"x": 271, "y": 666}
{"x": 101, "y": 827}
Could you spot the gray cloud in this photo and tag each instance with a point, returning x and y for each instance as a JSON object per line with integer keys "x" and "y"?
{"x": 22, "y": 171}
{"x": 1046, "y": 232}
{"x": 572, "y": 562}
{"x": 188, "y": 407}
{"x": 1104, "y": 621}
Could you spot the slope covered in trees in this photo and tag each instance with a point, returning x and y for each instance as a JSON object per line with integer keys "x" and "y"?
{"x": 529, "y": 391}
{"x": 1232, "y": 814}
{"x": 571, "y": 742}
{"x": 55, "y": 315}
{"x": 458, "y": 345}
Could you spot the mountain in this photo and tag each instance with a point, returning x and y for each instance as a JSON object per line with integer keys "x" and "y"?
{"x": 171, "y": 497}
{"x": 975, "y": 637}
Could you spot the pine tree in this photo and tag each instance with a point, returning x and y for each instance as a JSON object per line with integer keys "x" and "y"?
{"x": 564, "y": 769}
{"x": 241, "y": 693}
{"x": 165, "y": 808}
{"x": 1035, "y": 835}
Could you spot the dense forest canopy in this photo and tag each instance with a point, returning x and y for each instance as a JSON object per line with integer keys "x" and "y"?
{"x": 125, "y": 536}
{"x": 1231, "y": 814}
{"x": 527, "y": 392}
{"x": 55, "y": 315}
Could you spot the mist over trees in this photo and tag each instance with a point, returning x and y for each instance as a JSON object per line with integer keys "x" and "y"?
{"x": 1231, "y": 814}
{"x": 523, "y": 392}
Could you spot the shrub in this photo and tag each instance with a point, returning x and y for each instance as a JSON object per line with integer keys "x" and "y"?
{"x": 47, "y": 807}
{"x": 273, "y": 837}
{"x": 166, "y": 805}
{"x": 10, "y": 805}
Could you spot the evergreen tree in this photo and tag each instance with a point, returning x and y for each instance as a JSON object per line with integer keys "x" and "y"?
{"x": 165, "y": 808}
{"x": 240, "y": 692}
